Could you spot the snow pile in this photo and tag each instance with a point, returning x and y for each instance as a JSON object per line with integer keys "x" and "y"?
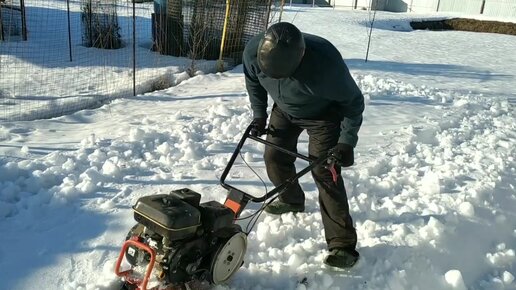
{"x": 454, "y": 278}
{"x": 61, "y": 177}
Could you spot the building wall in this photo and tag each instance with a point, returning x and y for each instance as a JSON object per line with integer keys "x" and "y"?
{"x": 350, "y": 4}
{"x": 422, "y": 6}
{"x": 469, "y": 7}
{"x": 500, "y": 8}
{"x": 495, "y": 8}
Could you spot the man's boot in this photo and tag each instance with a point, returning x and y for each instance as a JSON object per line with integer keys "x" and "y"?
{"x": 342, "y": 258}
{"x": 279, "y": 207}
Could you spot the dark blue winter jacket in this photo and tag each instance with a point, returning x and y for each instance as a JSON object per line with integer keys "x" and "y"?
{"x": 321, "y": 85}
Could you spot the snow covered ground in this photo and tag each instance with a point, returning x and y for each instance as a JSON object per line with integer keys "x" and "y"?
{"x": 432, "y": 193}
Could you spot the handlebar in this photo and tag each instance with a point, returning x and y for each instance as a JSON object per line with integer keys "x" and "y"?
{"x": 312, "y": 163}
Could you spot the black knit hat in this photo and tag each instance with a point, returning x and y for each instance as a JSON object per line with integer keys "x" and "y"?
{"x": 281, "y": 50}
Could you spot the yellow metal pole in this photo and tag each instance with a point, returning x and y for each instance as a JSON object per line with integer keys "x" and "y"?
{"x": 220, "y": 62}
{"x": 281, "y": 11}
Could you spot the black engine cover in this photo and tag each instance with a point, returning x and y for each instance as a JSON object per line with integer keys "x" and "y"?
{"x": 169, "y": 215}
{"x": 215, "y": 216}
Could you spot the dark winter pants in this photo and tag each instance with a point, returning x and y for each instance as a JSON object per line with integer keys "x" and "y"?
{"x": 284, "y": 131}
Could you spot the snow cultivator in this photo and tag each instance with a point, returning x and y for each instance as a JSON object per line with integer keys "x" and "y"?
{"x": 178, "y": 240}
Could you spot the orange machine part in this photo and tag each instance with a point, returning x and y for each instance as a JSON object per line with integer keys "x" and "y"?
{"x": 142, "y": 284}
{"x": 233, "y": 205}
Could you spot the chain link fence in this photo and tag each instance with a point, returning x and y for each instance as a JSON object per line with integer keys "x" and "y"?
{"x": 60, "y": 56}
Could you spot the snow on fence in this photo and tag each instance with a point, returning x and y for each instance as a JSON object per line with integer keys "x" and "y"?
{"x": 60, "y": 56}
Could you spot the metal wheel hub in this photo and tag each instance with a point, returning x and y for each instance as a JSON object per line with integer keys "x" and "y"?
{"x": 229, "y": 258}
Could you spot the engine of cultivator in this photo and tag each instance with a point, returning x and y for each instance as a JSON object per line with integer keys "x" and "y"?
{"x": 178, "y": 239}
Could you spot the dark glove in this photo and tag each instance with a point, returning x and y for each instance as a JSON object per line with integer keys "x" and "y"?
{"x": 343, "y": 154}
{"x": 258, "y": 127}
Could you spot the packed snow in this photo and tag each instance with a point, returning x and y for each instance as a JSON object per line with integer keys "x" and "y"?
{"x": 432, "y": 193}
